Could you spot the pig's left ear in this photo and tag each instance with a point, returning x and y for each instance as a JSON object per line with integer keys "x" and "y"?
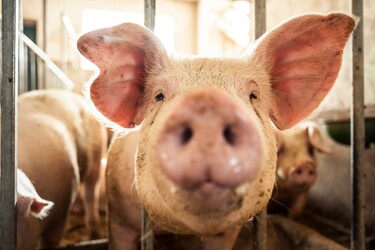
{"x": 303, "y": 58}
{"x": 124, "y": 55}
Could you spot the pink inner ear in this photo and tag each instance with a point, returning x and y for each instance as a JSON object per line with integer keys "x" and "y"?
{"x": 305, "y": 54}
{"x": 37, "y": 206}
{"x": 123, "y": 54}
{"x": 117, "y": 91}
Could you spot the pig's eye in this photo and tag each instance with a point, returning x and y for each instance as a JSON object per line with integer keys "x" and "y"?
{"x": 253, "y": 96}
{"x": 311, "y": 150}
{"x": 159, "y": 96}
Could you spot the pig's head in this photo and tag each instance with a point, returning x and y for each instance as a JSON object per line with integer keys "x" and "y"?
{"x": 296, "y": 164}
{"x": 28, "y": 200}
{"x": 207, "y": 155}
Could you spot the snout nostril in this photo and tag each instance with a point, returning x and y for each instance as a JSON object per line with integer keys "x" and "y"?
{"x": 229, "y": 135}
{"x": 186, "y": 135}
{"x": 299, "y": 171}
{"x": 311, "y": 172}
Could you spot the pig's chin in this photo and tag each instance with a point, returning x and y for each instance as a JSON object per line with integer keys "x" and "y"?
{"x": 206, "y": 209}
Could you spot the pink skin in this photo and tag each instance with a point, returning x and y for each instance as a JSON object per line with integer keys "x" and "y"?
{"x": 213, "y": 141}
{"x": 188, "y": 162}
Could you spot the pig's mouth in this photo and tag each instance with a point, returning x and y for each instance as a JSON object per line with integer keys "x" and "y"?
{"x": 211, "y": 199}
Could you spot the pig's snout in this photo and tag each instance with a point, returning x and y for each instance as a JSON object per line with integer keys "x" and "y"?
{"x": 209, "y": 142}
{"x": 304, "y": 174}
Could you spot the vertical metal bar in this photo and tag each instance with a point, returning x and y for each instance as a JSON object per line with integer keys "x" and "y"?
{"x": 8, "y": 211}
{"x": 43, "y": 82}
{"x": 63, "y": 45}
{"x": 22, "y": 64}
{"x": 147, "y": 238}
{"x": 21, "y": 57}
{"x": 44, "y": 11}
{"x": 358, "y": 134}
{"x": 150, "y": 14}
{"x": 260, "y": 17}
{"x": 260, "y": 221}
{"x": 28, "y": 67}
{"x": 33, "y": 71}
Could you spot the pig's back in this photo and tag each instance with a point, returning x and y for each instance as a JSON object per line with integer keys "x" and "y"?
{"x": 54, "y": 108}
{"x": 47, "y": 150}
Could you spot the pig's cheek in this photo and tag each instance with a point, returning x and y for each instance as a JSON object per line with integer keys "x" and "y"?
{"x": 260, "y": 189}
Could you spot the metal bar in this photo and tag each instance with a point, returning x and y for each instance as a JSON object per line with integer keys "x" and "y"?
{"x": 33, "y": 71}
{"x": 101, "y": 244}
{"x": 260, "y": 231}
{"x": 358, "y": 134}
{"x": 23, "y": 79}
{"x": 44, "y": 66}
{"x": 147, "y": 237}
{"x": 150, "y": 14}
{"x": 9, "y": 84}
{"x": 69, "y": 28}
{"x": 259, "y": 17}
{"x": 260, "y": 221}
{"x": 63, "y": 46}
{"x": 49, "y": 63}
{"x": 22, "y": 66}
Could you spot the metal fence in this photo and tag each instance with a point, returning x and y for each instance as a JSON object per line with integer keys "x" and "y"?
{"x": 37, "y": 70}
{"x": 9, "y": 126}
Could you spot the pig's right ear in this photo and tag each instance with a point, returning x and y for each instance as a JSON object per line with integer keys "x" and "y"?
{"x": 124, "y": 55}
{"x": 302, "y": 57}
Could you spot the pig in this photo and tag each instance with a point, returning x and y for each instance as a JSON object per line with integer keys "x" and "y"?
{"x": 60, "y": 145}
{"x": 199, "y": 152}
{"x": 296, "y": 168}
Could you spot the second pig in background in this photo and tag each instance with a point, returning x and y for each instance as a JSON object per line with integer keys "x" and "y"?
{"x": 297, "y": 168}
{"x": 60, "y": 146}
